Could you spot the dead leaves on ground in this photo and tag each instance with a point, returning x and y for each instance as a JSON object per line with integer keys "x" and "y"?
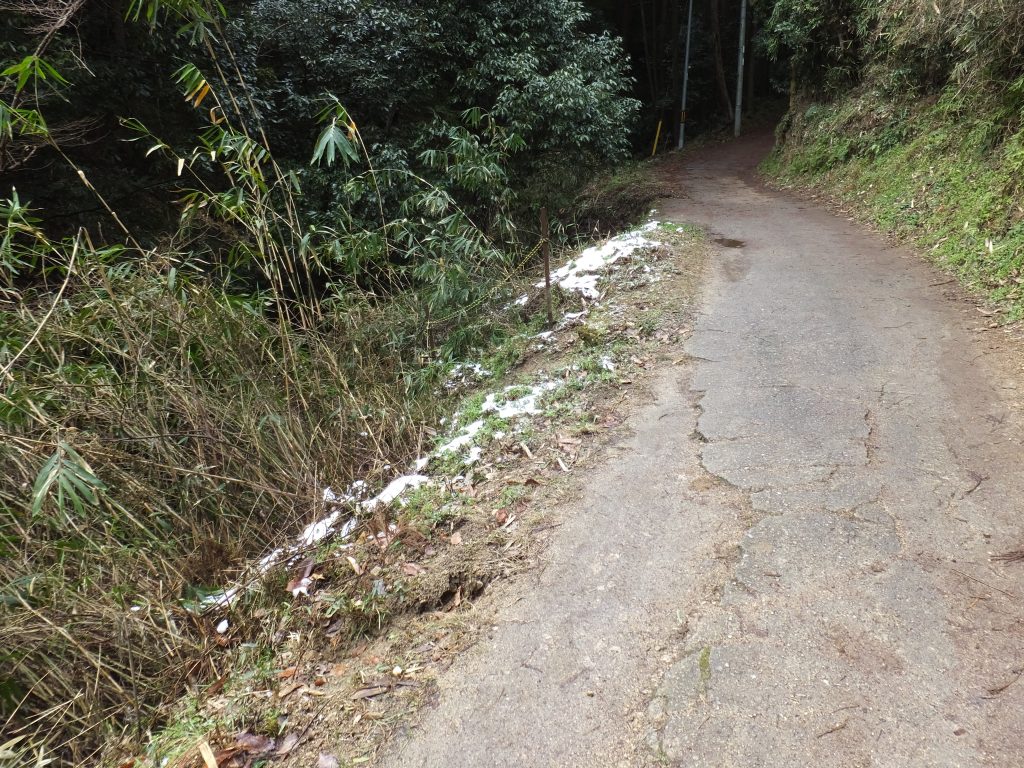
{"x": 250, "y": 749}
{"x": 413, "y": 569}
{"x": 244, "y": 752}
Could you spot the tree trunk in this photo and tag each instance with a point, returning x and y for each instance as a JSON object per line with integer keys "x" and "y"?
{"x": 716, "y": 51}
{"x": 649, "y": 56}
{"x": 792, "y": 85}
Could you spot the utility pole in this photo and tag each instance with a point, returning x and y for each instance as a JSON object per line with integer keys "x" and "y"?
{"x": 739, "y": 69}
{"x": 686, "y": 75}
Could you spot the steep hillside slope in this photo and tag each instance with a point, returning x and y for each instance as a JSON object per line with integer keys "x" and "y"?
{"x": 914, "y": 116}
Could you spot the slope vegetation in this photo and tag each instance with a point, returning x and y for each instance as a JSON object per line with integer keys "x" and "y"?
{"x": 913, "y": 116}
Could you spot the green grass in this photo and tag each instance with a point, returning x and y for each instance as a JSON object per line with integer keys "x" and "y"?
{"x": 158, "y": 437}
{"x": 704, "y": 668}
{"x": 429, "y": 507}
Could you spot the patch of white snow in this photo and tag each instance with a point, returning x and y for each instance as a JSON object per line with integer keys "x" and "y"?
{"x": 582, "y": 273}
{"x": 463, "y": 373}
{"x": 269, "y": 561}
{"x": 221, "y": 599}
{"x": 396, "y": 488}
{"x": 463, "y": 439}
{"x": 320, "y": 530}
{"x": 525, "y": 405}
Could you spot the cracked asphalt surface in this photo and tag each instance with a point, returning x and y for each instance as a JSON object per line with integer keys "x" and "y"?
{"x": 788, "y": 563}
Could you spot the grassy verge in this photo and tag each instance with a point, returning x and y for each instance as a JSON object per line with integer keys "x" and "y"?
{"x": 615, "y": 200}
{"x": 940, "y": 173}
{"x": 157, "y": 435}
{"x": 162, "y": 433}
{"x": 336, "y": 670}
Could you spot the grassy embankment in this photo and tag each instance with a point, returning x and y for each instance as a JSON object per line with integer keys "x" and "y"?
{"x": 161, "y": 434}
{"x": 337, "y": 670}
{"x": 943, "y": 173}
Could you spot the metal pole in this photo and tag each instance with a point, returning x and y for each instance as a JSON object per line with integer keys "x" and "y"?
{"x": 686, "y": 75}
{"x": 739, "y": 71}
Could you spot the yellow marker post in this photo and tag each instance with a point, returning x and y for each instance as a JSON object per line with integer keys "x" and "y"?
{"x": 657, "y": 138}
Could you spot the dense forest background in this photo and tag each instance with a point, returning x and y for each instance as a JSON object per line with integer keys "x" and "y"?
{"x": 241, "y": 244}
{"x": 555, "y": 78}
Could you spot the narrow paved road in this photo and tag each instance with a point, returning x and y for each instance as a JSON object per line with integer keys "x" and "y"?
{"x": 788, "y": 563}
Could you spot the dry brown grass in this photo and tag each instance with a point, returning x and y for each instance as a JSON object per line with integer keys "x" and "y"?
{"x": 212, "y": 428}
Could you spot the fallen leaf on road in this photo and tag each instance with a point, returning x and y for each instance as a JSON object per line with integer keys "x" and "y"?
{"x": 413, "y": 569}
{"x": 253, "y": 743}
{"x": 357, "y": 650}
{"x": 287, "y": 690}
{"x": 355, "y": 566}
{"x": 233, "y": 757}
{"x": 286, "y": 673}
{"x": 300, "y": 577}
{"x": 288, "y": 744}
{"x": 207, "y": 754}
{"x": 369, "y": 693}
{"x": 456, "y": 539}
{"x": 525, "y": 481}
{"x": 327, "y": 761}
{"x": 217, "y": 686}
{"x": 335, "y": 627}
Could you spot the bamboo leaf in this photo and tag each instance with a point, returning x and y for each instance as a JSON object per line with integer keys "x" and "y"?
{"x": 44, "y": 481}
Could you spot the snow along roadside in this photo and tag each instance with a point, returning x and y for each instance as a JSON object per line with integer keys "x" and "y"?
{"x": 580, "y": 275}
